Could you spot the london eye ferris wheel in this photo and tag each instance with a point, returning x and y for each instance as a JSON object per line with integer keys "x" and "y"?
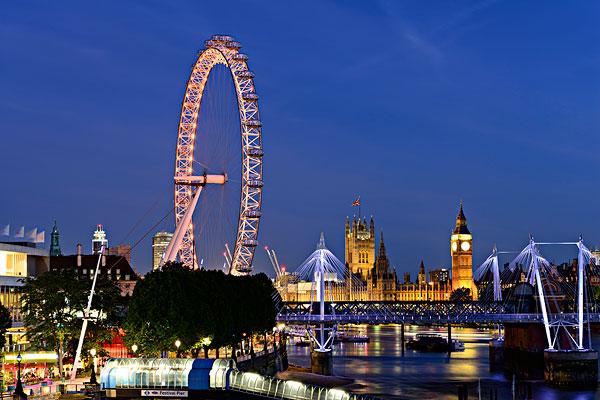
{"x": 218, "y": 166}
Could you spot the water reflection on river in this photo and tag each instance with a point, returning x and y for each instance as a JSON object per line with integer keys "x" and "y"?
{"x": 379, "y": 366}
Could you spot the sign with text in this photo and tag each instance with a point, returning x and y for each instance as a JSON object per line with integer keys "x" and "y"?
{"x": 163, "y": 393}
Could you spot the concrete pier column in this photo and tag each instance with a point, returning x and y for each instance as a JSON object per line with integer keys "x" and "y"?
{"x": 496, "y": 354}
{"x": 571, "y": 369}
{"x": 321, "y": 362}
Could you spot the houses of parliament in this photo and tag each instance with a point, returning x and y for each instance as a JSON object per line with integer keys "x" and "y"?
{"x": 378, "y": 281}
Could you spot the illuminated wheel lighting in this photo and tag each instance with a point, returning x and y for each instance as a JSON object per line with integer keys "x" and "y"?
{"x": 222, "y": 50}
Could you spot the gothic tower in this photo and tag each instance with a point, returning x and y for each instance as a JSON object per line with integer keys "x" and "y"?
{"x": 461, "y": 250}
{"x": 422, "y": 279}
{"x": 54, "y": 242}
{"x": 360, "y": 246}
{"x": 382, "y": 264}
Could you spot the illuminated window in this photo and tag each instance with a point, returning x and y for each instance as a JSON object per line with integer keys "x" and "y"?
{"x": 13, "y": 263}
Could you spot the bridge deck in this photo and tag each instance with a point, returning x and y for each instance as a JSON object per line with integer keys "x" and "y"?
{"x": 415, "y": 313}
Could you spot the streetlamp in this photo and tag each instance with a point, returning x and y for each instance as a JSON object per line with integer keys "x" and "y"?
{"x": 177, "y": 344}
{"x": 93, "y": 379}
{"x": 19, "y": 389}
{"x": 134, "y": 348}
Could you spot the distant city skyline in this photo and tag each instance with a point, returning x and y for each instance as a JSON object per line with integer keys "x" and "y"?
{"x": 410, "y": 106}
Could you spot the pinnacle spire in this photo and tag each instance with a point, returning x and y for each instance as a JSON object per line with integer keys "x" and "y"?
{"x": 381, "y": 252}
{"x": 461, "y": 222}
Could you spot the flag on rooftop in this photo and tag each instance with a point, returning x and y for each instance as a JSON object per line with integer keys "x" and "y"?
{"x": 356, "y": 202}
{"x": 20, "y": 232}
{"x": 41, "y": 237}
{"x": 32, "y": 234}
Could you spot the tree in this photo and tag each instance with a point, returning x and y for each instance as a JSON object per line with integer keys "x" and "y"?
{"x": 166, "y": 306}
{"x": 5, "y": 323}
{"x": 200, "y": 308}
{"x": 53, "y": 304}
{"x": 461, "y": 294}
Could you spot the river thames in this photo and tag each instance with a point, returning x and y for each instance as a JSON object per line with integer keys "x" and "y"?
{"x": 380, "y": 369}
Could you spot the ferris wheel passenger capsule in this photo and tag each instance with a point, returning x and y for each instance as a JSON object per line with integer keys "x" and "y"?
{"x": 255, "y": 152}
{"x": 253, "y": 123}
{"x": 252, "y": 214}
{"x": 245, "y": 74}
{"x": 222, "y": 38}
{"x": 210, "y": 43}
{"x": 250, "y": 96}
{"x": 255, "y": 183}
{"x": 233, "y": 45}
{"x": 249, "y": 242}
{"x": 240, "y": 57}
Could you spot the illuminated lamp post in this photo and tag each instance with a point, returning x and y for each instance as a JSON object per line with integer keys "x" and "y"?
{"x": 19, "y": 393}
{"x": 93, "y": 379}
{"x": 134, "y": 348}
{"x": 177, "y": 344}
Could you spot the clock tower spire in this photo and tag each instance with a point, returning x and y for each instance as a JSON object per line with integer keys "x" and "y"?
{"x": 461, "y": 250}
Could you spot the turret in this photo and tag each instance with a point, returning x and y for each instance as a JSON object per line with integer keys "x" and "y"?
{"x": 372, "y": 228}
{"x": 422, "y": 277}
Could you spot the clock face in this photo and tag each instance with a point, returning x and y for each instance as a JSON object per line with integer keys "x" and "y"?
{"x": 465, "y": 246}
{"x": 454, "y": 246}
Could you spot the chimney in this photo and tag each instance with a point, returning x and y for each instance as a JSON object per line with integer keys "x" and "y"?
{"x": 79, "y": 254}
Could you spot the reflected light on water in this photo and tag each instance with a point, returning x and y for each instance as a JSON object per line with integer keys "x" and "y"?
{"x": 379, "y": 366}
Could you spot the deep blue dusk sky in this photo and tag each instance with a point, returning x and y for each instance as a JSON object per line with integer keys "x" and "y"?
{"x": 413, "y": 105}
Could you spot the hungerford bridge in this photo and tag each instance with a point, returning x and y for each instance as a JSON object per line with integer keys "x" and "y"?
{"x": 322, "y": 315}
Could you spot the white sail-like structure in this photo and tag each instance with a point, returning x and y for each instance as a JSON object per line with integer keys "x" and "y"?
{"x": 322, "y": 260}
{"x": 324, "y": 270}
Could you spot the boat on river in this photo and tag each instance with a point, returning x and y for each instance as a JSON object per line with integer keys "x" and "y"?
{"x": 433, "y": 343}
{"x": 344, "y": 337}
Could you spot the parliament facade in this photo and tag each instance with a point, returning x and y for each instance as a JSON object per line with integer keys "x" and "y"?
{"x": 373, "y": 278}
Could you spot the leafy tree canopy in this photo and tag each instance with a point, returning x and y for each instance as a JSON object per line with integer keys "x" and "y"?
{"x": 176, "y": 303}
{"x": 5, "y": 323}
{"x": 461, "y": 295}
{"x": 53, "y": 306}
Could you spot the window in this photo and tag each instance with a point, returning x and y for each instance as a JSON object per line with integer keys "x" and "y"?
{"x": 13, "y": 263}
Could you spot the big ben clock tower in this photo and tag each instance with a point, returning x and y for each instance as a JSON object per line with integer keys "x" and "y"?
{"x": 461, "y": 250}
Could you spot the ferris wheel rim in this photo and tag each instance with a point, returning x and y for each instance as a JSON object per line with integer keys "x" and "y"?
{"x": 223, "y": 50}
